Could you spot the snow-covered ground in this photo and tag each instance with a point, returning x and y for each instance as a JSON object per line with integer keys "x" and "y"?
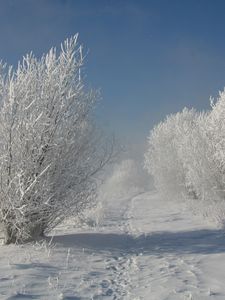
{"x": 144, "y": 248}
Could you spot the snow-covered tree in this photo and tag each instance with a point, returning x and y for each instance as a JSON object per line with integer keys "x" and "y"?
{"x": 50, "y": 148}
{"x": 216, "y": 135}
{"x": 186, "y": 157}
{"x": 207, "y": 160}
{"x": 164, "y": 158}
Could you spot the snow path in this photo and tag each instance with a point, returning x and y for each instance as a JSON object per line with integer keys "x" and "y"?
{"x": 178, "y": 256}
{"x": 145, "y": 248}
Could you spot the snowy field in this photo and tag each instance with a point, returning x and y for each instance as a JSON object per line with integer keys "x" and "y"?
{"x": 144, "y": 248}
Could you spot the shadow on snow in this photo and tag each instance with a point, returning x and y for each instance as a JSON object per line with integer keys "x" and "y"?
{"x": 198, "y": 241}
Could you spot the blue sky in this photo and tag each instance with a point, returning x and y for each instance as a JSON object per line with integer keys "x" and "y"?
{"x": 150, "y": 58}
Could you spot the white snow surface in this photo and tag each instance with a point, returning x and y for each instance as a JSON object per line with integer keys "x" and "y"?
{"x": 144, "y": 248}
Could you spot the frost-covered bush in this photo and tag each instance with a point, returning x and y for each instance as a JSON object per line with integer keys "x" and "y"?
{"x": 50, "y": 149}
{"x": 197, "y": 155}
{"x": 216, "y": 138}
{"x": 203, "y": 156}
{"x": 186, "y": 156}
{"x": 164, "y": 158}
{"x": 208, "y": 161}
